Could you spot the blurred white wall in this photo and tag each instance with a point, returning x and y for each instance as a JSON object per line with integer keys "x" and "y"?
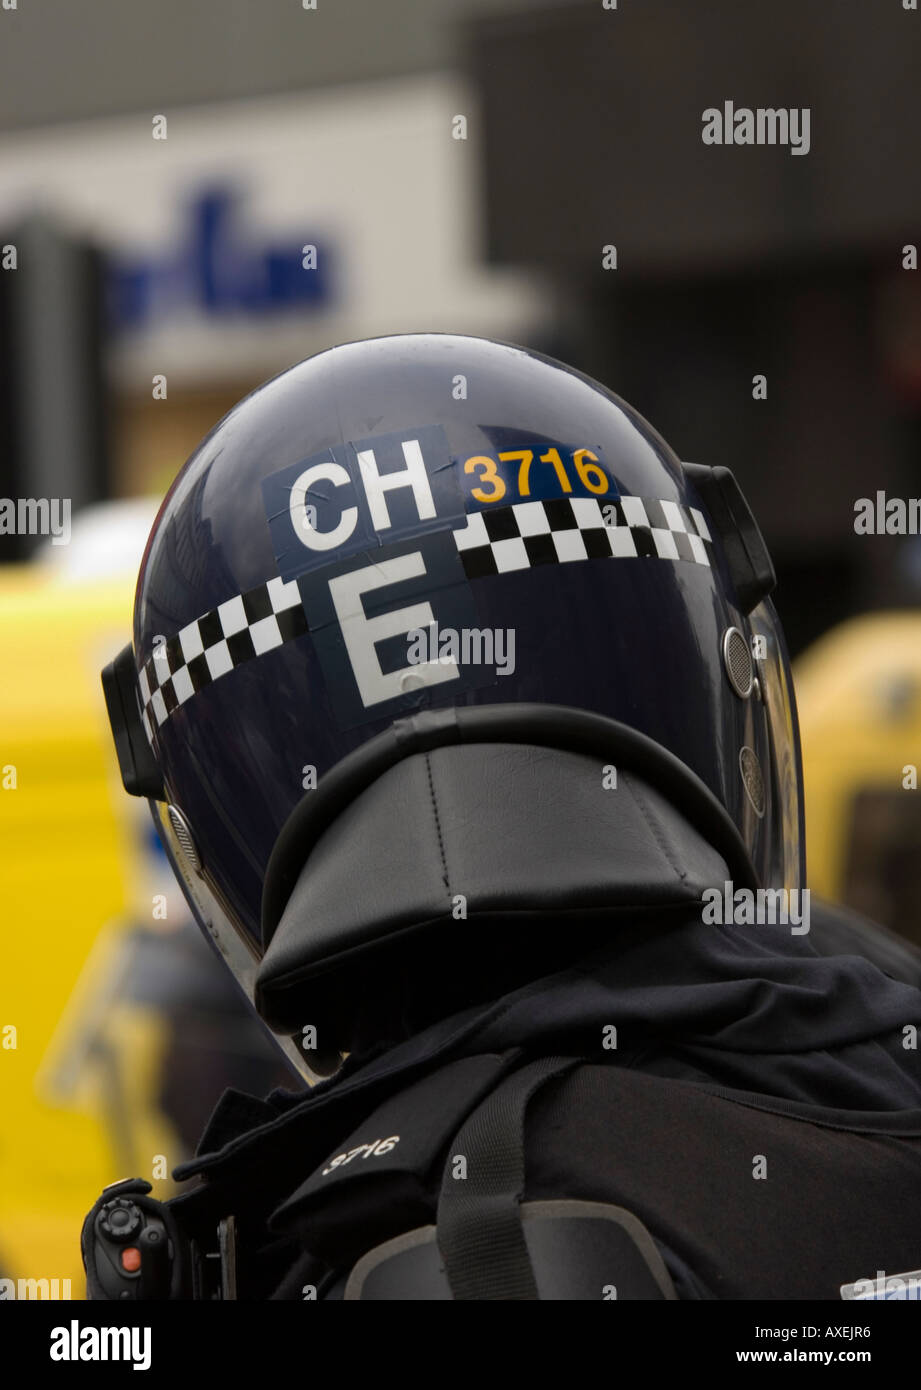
{"x": 371, "y": 170}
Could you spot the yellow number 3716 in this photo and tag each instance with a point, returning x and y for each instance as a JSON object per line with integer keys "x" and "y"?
{"x": 492, "y": 485}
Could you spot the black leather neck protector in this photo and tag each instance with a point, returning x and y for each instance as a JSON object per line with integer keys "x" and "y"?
{"x": 455, "y": 858}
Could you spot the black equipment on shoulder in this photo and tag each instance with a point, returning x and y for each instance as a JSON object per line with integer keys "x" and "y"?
{"x": 486, "y": 1243}
{"x": 489, "y": 1245}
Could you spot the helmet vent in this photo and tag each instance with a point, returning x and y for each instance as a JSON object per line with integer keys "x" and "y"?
{"x": 752, "y": 779}
{"x": 737, "y": 659}
{"x": 184, "y": 836}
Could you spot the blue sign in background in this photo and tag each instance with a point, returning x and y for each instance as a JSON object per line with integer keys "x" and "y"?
{"x": 221, "y": 268}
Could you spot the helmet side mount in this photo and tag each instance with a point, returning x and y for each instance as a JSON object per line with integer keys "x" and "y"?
{"x": 141, "y": 775}
{"x": 750, "y": 565}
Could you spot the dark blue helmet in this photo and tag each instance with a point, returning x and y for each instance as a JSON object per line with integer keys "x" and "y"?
{"x": 426, "y": 540}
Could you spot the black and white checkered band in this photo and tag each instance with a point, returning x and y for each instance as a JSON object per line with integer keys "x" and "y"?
{"x": 580, "y": 528}
{"x": 236, "y": 631}
{"x": 516, "y": 537}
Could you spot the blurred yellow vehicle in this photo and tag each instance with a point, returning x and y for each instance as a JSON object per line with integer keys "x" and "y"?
{"x": 111, "y": 1053}
{"x": 69, "y": 860}
{"x": 858, "y": 692}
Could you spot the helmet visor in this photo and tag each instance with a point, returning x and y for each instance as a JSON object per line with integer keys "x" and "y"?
{"x": 783, "y": 859}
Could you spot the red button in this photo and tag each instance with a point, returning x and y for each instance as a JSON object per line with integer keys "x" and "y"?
{"x": 131, "y": 1259}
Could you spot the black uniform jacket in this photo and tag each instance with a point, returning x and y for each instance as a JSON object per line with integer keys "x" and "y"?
{"x": 754, "y": 1102}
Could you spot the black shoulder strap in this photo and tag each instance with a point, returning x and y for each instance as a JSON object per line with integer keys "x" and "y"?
{"x": 479, "y": 1229}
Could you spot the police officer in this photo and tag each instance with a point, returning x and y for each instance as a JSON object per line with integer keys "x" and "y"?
{"x": 466, "y": 719}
